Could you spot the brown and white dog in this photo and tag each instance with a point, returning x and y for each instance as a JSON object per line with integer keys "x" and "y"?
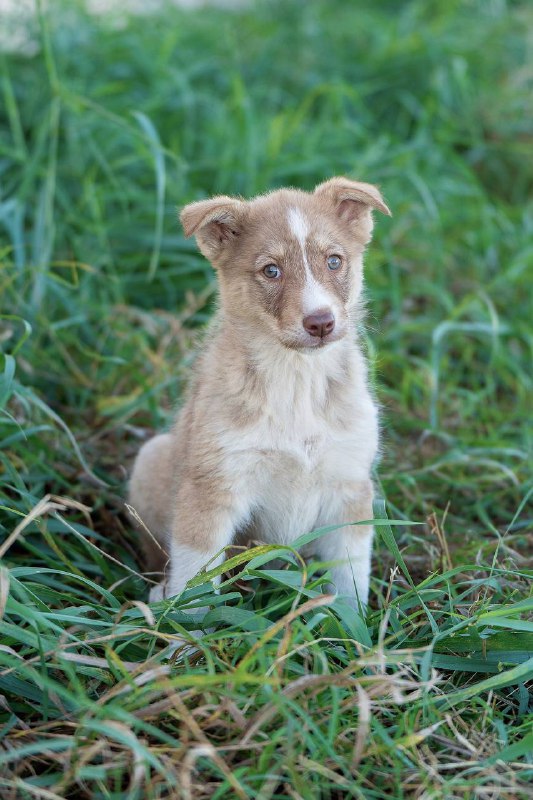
{"x": 279, "y": 430}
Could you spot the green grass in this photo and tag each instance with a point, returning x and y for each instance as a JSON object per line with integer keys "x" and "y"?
{"x": 104, "y": 129}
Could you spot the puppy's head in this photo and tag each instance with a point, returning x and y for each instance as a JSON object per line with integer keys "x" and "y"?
{"x": 289, "y": 262}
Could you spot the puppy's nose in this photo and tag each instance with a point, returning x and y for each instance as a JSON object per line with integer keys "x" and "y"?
{"x": 319, "y": 324}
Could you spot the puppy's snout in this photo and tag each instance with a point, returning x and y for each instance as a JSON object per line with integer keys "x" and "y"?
{"x": 319, "y": 324}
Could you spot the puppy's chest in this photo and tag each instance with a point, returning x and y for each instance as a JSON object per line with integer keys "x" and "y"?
{"x": 298, "y": 435}
{"x": 293, "y": 432}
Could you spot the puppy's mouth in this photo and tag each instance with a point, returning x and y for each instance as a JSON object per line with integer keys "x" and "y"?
{"x": 306, "y": 343}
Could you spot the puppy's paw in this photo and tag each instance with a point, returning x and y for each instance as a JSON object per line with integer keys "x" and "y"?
{"x": 157, "y": 593}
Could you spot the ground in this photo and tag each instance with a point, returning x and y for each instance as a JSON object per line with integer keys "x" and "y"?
{"x": 107, "y": 123}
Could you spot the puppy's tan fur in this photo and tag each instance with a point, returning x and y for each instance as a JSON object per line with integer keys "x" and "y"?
{"x": 279, "y": 430}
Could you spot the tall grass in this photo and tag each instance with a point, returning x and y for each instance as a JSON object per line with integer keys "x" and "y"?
{"x": 106, "y": 124}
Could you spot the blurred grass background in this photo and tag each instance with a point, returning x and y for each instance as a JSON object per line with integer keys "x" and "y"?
{"x": 108, "y": 121}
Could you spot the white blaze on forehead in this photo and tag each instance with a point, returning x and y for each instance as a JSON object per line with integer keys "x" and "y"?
{"x": 315, "y": 297}
{"x": 299, "y": 227}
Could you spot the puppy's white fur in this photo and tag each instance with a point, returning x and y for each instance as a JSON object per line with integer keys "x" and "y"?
{"x": 314, "y": 295}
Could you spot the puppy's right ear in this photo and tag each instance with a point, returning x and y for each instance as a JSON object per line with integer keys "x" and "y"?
{"x": 215, "y": 223}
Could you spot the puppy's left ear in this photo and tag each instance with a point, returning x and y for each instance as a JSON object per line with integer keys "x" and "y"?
{"x": 353, "y": 201}
{"x": 215, "y": 223}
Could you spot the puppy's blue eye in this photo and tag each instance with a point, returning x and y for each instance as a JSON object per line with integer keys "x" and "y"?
{"x": 271, "y": 271}
{"x": 334, "y": 262}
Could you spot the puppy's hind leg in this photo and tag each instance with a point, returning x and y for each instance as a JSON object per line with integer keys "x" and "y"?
{"x": 152, "y": 496}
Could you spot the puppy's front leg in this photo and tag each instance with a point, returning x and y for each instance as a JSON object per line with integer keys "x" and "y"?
{"x": 205, "y": 521}
{"x": 351, "y": 544}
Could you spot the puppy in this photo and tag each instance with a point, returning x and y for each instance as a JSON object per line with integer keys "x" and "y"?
{"x": 279, "y": 429}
